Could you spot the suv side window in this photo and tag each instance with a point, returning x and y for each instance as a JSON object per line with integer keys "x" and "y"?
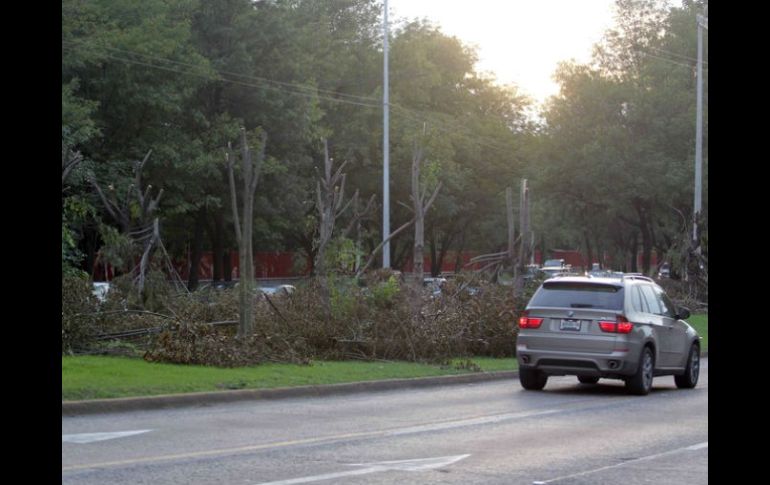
{"x": 666, "y": 305}
{"x": 651, "y": 299}
{"x": 637, "y": 302}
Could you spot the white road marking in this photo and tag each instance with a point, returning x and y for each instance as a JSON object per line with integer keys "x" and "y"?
{"x": 323, "y": 440}
{"x": 92, "y": 437}
{"x": 698, "y": 446}
{"x": 417, "y": 465}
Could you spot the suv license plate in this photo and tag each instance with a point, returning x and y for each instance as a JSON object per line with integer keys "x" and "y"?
{"x": 573, "y": 325}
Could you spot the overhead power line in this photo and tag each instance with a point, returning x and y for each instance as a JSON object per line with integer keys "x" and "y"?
{"x": 688, "y": 66}
{"x": 226, "y": 76}
{"x": 680, "y": 56}
{"x": 306, "y": 91}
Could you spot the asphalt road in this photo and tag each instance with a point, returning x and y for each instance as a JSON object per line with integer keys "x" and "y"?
{"x": 490, "y": 433}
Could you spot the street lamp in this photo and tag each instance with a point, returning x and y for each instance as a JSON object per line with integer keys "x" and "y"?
{"x": 703, "y": 22}
{"x": 385, "y": 148}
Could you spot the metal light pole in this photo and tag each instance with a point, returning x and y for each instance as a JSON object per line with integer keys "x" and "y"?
{"x": 385, "y": 148}
{"x": 703, "y": 22}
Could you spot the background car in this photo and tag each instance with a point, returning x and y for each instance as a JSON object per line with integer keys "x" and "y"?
{"x": 552, "y": 263}
{"x": 664, "y": 271}
{"x": 278, "y": 290}
{"x": 620, "y": 328}
{"x": 100, "y": 290}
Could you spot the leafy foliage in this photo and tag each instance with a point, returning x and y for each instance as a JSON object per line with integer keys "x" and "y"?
{"x": 78, "y": 317}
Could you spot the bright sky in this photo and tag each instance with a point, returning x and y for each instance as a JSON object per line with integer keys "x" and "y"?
{"x": 519, "y": 41}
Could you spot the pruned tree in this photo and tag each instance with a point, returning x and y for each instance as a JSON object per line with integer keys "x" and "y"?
{"x": 378, "y": 248}
{"x": 420, "y": 205}
{"x": 511, "y": 258}
{"x": 355, "y": 222}
{"x": 497, "y": 261}
{"x": 250, "y": 169}
{"x": 69, "y": 160}
{"x": 136, "y": 214}
{"x": 525, "y": 240}
{"x": 330, "y": 195}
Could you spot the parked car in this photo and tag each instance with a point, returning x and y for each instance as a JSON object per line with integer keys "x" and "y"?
{"x": 664, "y": 271}
{"x": 100, "y": 290}
{"x": 606, "y": 273}
{"x": 618, "y": 328}
{"x": 553, "y": 263}
{"x": 532, "y": 271}
{"x": 434, "y": 284}
{"x": 277, "y": 290}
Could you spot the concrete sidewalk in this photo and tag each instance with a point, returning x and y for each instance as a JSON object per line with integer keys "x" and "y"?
{"x": 96, "y": 406}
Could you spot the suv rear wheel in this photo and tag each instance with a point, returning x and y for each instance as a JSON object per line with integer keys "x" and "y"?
{"x": 641, "y": 382}
{"x": 532, "y": 380}
{"x": 690, "y": 377}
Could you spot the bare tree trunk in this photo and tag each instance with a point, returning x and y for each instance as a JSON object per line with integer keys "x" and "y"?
{"x": 420, "y": 207}
{"x": 589, "y": 250}
{"x": 218, "y": 247}
{"x": 142, "y": 229}
{"x": 227, "y": 264}
{"x": 330, "y": 192}
{"x": 377, "y": 249}
{"x": 145, "y": 261}
{"x": 197, "y": 250}
{"x": 634, "y": 253}
{"x": 511, "y": 226}
{"x": 250, "y": 171}
{"x": 518, "y": 282}
{"x": 435, "y": 267}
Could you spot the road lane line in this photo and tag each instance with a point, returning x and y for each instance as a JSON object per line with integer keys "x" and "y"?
{"x": 695, "y": 447}
{"x": 416, "y": 465}
{"x": 582, "y": 405}
{"x": 323, "y": 440}
{"x": 82, "y": 438}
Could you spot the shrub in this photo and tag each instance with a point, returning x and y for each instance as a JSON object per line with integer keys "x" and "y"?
{"x": 379, "y": 318}
{"x": 78, "y": 320}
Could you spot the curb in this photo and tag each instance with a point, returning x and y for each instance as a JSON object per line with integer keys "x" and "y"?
{"x": 200, "y": 399}
{"x": 98, "y": 406}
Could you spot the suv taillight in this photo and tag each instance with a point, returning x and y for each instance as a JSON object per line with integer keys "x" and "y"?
{"x": 620, "y": 325}
{"x": 525, "y": 321}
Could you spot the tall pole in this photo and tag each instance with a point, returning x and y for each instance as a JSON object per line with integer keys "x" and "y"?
{"x": 702, "y": 22}
{"x": 385, "y": 148}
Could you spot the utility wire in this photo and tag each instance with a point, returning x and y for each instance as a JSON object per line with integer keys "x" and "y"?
{"x": 296, "y": 89}
{"x": 290, "y": 87}
{"x": 211, "y": 77}
{"x": 681, "y": 56}
{"x": 688, "y": 66}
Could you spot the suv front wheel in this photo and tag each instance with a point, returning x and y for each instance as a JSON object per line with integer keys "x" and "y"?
{"x": 641, "y": 382}
{"x": 690, "y": 377}
{"x": 532, "y": 380}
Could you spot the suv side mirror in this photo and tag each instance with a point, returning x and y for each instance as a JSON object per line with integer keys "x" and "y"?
{"x": 682, "y": 313}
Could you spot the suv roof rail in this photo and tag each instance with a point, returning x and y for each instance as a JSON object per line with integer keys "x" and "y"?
{"x": 637, "y": 276}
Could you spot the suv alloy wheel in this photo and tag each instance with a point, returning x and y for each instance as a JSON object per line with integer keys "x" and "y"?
{"x": 689, "y": 379}
{"x": 641, "y": 382}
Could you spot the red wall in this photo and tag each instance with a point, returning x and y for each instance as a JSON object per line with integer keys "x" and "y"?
{"x": 274, "y": 264}
{"x": 280, "y": 264}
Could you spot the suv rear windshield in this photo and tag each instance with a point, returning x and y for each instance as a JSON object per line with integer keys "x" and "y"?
{"x": 562, "y": 294}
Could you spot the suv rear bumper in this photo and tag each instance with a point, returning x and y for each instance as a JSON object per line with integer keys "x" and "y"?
{"x": 620, "y": 363}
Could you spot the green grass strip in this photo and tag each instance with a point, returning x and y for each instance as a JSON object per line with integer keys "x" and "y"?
{"x": 97, "y": 377}
{"x": 701, "y": 324}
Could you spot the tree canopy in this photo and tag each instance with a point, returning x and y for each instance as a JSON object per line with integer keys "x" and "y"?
{"x": 610, "y": 158}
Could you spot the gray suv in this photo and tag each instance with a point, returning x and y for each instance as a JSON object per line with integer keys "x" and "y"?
{"x": 618, "y": 328}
